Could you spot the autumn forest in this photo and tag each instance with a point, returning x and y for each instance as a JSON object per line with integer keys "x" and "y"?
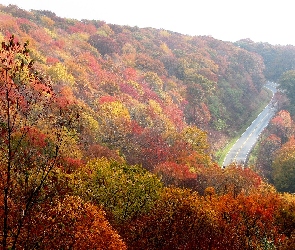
{"x": 112, "y": 137}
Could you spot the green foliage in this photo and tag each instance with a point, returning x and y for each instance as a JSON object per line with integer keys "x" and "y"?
{"x": 123, "y": 190}
{"x": 287, "y": 85}
{"x": 277, "y": 58}
{"x": 284, "y": 168}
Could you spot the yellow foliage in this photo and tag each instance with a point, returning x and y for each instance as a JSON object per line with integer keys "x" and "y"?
{"x": 51, "y": 33}
{"x": 161, "y": 121}
{"x": 89, "y": 121}
{"x": 47, "y": 21}
{"x": 164, "y": 33}
{"x": 196, "y": 137}
{"x": 1, "y": 37}
{"x": 37, "y": 56}
{"x": 128, "y": 49}
{"x": 136, "y": 86}
{"x": 59, "y": 73}
{"x": 129, "y": 54}
{"x": 154, "y": 80}
{"x": 284, "y": 167}
{"x": 69, "y": 146}
{"x": 105, "y": 30}
{"x": 139, "y": 113}
{"x": 115, "y": 110}
{"x": 78, "y": 72}
{"x": 155, "y": 106}
{"x": 114, "y": 123}
{"x": 165, "y": 48}
{"x": 129, "y": 59}
{"x": 123, "y": 189}
{"x": 80, "y": 36}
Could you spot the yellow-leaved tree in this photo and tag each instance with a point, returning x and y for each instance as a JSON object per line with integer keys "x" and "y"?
{"x": 114, "y": 123}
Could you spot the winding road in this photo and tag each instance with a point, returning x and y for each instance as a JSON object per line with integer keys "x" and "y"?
{"x": 240, "y": 150}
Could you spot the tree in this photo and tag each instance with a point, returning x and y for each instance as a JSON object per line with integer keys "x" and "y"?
{"x": 105, "y": 45}
{"x": 147, "y": 147}
{"x": 175, "y": 174}
{"x": 266, "y": 155}
{"x": 32, "y": 127}
{"x": 283, "y": 167}
{"x": 154, "y": 81}
{"x": 197, "y": 138}
{"x": 58, "y": 73}
{"x": 180, "y": 220}
{"x": 114, "y": 122}
{"x": 281, "y": 125}
{"x": 124, "y": 191}
{"x": 287, "y": 85}
{"x": 70, "y": 223}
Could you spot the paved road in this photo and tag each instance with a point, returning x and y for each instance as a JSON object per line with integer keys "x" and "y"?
{"x": 241, "y": 149}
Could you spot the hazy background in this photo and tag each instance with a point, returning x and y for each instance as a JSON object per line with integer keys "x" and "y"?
{"x": 227, "y": 20}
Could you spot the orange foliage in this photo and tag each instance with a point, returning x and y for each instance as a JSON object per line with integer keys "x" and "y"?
{"x": 183, "y": 220}
{"x": 99, "y": 151}
{"x": 70, "y": 223}
{"x": 175, "y": 174}
{"x": 282, "y": 125}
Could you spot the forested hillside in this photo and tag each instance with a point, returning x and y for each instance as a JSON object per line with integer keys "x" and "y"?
{"x": 275, "y": 150}
{"x": 277, "y": 58}
{"x": 208, "y": 83}
{"x": 108, "y": 135}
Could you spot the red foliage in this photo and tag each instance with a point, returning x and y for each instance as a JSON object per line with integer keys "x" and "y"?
{"x": 175, "y": 115}
{"x": 65, "y": 98}
{"x": 184, "y": 220}
{"x": 180, "y": 150}
{"x": 147, "y": 63}
{"x": 59, "y": 43}
{"x": 80, "y": 27}
{"x": 91, "y": 62}
{"x": 130, "y": 90}
{"x": 106, "y": 99}
{"x": 52, "y": 60}
{"x": 175, "y": 174}
{"x": 40, "y": 35}
{"x": 130, "y": 74}
{"x": 136, "y": 128}
{"x": 34, "y": 137}
{"x": 147, "y": 148}
{"x": 99, "y": 151}
{"x": 69, "y": 164}
{"x": 150, "y": 94}
{"x": 25, "y": 24}
{"x": 282, "y": 119}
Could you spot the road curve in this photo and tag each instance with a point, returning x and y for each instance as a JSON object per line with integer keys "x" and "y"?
{"x": 240, "y": 150}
